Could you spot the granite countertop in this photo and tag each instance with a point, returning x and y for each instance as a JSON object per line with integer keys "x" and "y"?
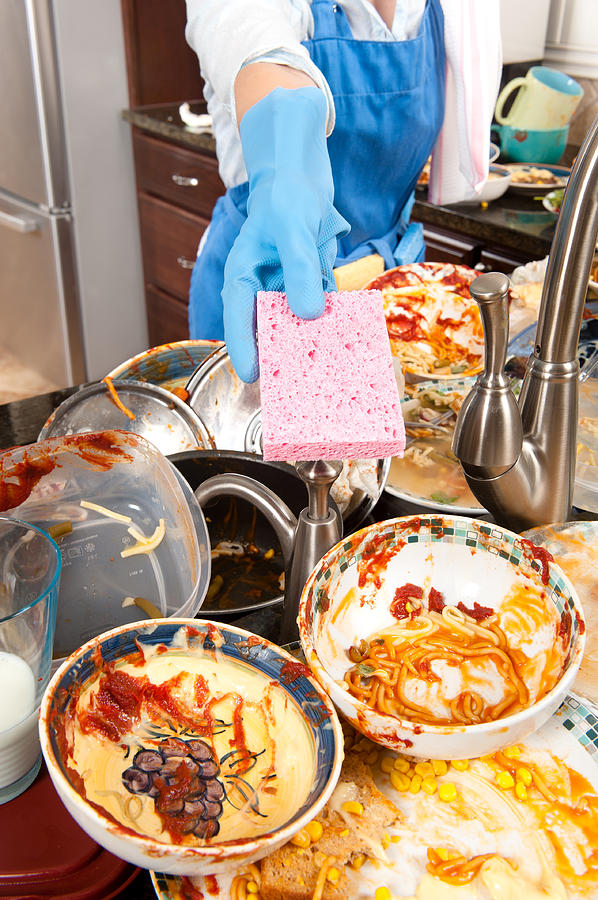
{"x": 514, "y": 221}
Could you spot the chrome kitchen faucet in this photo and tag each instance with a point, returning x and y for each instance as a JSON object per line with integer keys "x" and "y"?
{"x": 519, "y": 457}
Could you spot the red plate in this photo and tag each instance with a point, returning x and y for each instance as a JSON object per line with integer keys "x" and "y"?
{"x": 44, "y": 853}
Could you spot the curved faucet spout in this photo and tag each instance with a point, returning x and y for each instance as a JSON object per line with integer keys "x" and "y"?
{"x": 535, "y": 486}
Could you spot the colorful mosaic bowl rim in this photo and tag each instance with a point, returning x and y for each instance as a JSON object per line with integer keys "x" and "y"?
{"x": 140, "y": 366}
{"x": 441, "y": 526}
{"x": 330, "y": 750}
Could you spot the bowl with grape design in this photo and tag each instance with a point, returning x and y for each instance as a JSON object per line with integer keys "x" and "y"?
{"x": 189, "y": 745}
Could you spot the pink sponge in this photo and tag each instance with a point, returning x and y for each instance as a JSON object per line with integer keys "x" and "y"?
{"x": 328, "y": 388}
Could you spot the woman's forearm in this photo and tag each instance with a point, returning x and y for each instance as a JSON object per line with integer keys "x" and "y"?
{"x": 256, "y": 80}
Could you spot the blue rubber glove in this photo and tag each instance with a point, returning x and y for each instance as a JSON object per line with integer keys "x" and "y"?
{"x": 289, "y": 240}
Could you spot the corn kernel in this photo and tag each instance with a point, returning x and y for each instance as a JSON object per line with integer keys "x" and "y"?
{"x": 344, "y": 832}
{"x": 401, "y": 764}
{"x": 423, "y": 769}
{"x": 505, "y": 780}
{"x": 512, "y": 752}
{"x": 408, "y": 607}
{"x": 358, "y": 861}
{"x": 399, "y": 781}
{"x": 353, "y": 806}
{"x": 447, "y": 791}
{"x": 395, "y": 839}
{"x": 333, "y": 874}
{"x": 372, "y": 757}
{"x": 387, "y": 764}
{"x": 439, "y": 766}
{"x": 252, "y": 887}
{"x": 429, "y": 784}
{"x": 269, "y": 553}
{"x": 385, "y": 840}
{"x": 524, "y": 775}
{"x": 314, "y": 830}
{"x": 484, "y": 204}
{"x": 382, "y": 893}
{"x": 442, "y": 853}
{"x": 521, "y": 791}
{"x": 416, "y": 783}
{"x": 460, "y": 764}
{"x": 301, "y": 839}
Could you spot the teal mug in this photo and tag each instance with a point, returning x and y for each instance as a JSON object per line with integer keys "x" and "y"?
{"x": 545, "y": 145}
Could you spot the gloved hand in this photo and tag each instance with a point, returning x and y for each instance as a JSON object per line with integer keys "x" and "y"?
{"x": 289, "y": 240}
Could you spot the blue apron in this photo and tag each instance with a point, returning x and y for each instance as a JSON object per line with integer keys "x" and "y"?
{"x": 389, "y": 102}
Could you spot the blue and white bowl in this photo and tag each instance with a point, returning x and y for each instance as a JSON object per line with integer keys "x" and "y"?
{"x": 122, "y": 778}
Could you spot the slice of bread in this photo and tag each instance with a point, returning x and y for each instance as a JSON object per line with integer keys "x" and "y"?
{"x": 291, "y": 873}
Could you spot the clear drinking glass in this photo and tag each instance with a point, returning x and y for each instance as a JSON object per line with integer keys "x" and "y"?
{"x": 29, "y": 576}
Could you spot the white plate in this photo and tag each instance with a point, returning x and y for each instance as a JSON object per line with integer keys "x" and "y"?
{"x": 570, "y": 735}
{"x": 537, "y": 187}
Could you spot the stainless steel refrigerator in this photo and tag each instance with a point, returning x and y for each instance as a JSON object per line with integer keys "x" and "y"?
{"x": 71, "y": 285}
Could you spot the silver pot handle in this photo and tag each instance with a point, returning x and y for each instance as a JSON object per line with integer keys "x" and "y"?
{"x": 276, "y": 511}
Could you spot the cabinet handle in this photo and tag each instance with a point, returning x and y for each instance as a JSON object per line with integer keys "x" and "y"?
{"x": 184, "y": 180}
{"x": 22, "y": 224}
{"x": 185, "y": 263}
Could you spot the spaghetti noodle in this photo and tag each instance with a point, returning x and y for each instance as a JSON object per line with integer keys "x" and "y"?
{"x": 432, "y": 644}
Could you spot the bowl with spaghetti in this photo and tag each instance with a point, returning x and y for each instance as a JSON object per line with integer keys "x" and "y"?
{"x": 442, "y": 636}
{"x": 433, "y": 323}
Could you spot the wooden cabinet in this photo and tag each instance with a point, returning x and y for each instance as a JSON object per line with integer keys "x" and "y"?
{"x": 444, "y": 246}
{"x": 448, "y": 246}
{"x": 177, "y": 189}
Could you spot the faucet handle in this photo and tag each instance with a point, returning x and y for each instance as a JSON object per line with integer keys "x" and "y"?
{"x": 491, "y": 291}
{"x": 488, "y": 434}
{"x": 319, "y": 476}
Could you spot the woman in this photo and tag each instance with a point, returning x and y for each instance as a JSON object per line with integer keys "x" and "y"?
{"x": 338, "y": 104}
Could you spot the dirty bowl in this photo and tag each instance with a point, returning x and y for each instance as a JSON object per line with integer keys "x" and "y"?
{"x": 168, "y": 365}
{"x": 87, "y": 491}
{"x": 206, "y": 747}
{"x": 367, "y": 583}
{"x": 499, "y": 179}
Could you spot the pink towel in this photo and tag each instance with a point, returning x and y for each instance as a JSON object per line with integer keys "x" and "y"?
{"x": 474, "y": 63}
{"x": 328, "y": 388}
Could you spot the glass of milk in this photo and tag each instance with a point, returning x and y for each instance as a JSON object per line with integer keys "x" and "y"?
{"x": 29, "y": 576}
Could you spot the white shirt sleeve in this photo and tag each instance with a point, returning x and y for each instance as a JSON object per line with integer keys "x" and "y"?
{"x": 229, "y": 34}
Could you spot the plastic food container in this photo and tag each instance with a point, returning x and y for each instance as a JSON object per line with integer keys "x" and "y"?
{"x": 132, "y": 537}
